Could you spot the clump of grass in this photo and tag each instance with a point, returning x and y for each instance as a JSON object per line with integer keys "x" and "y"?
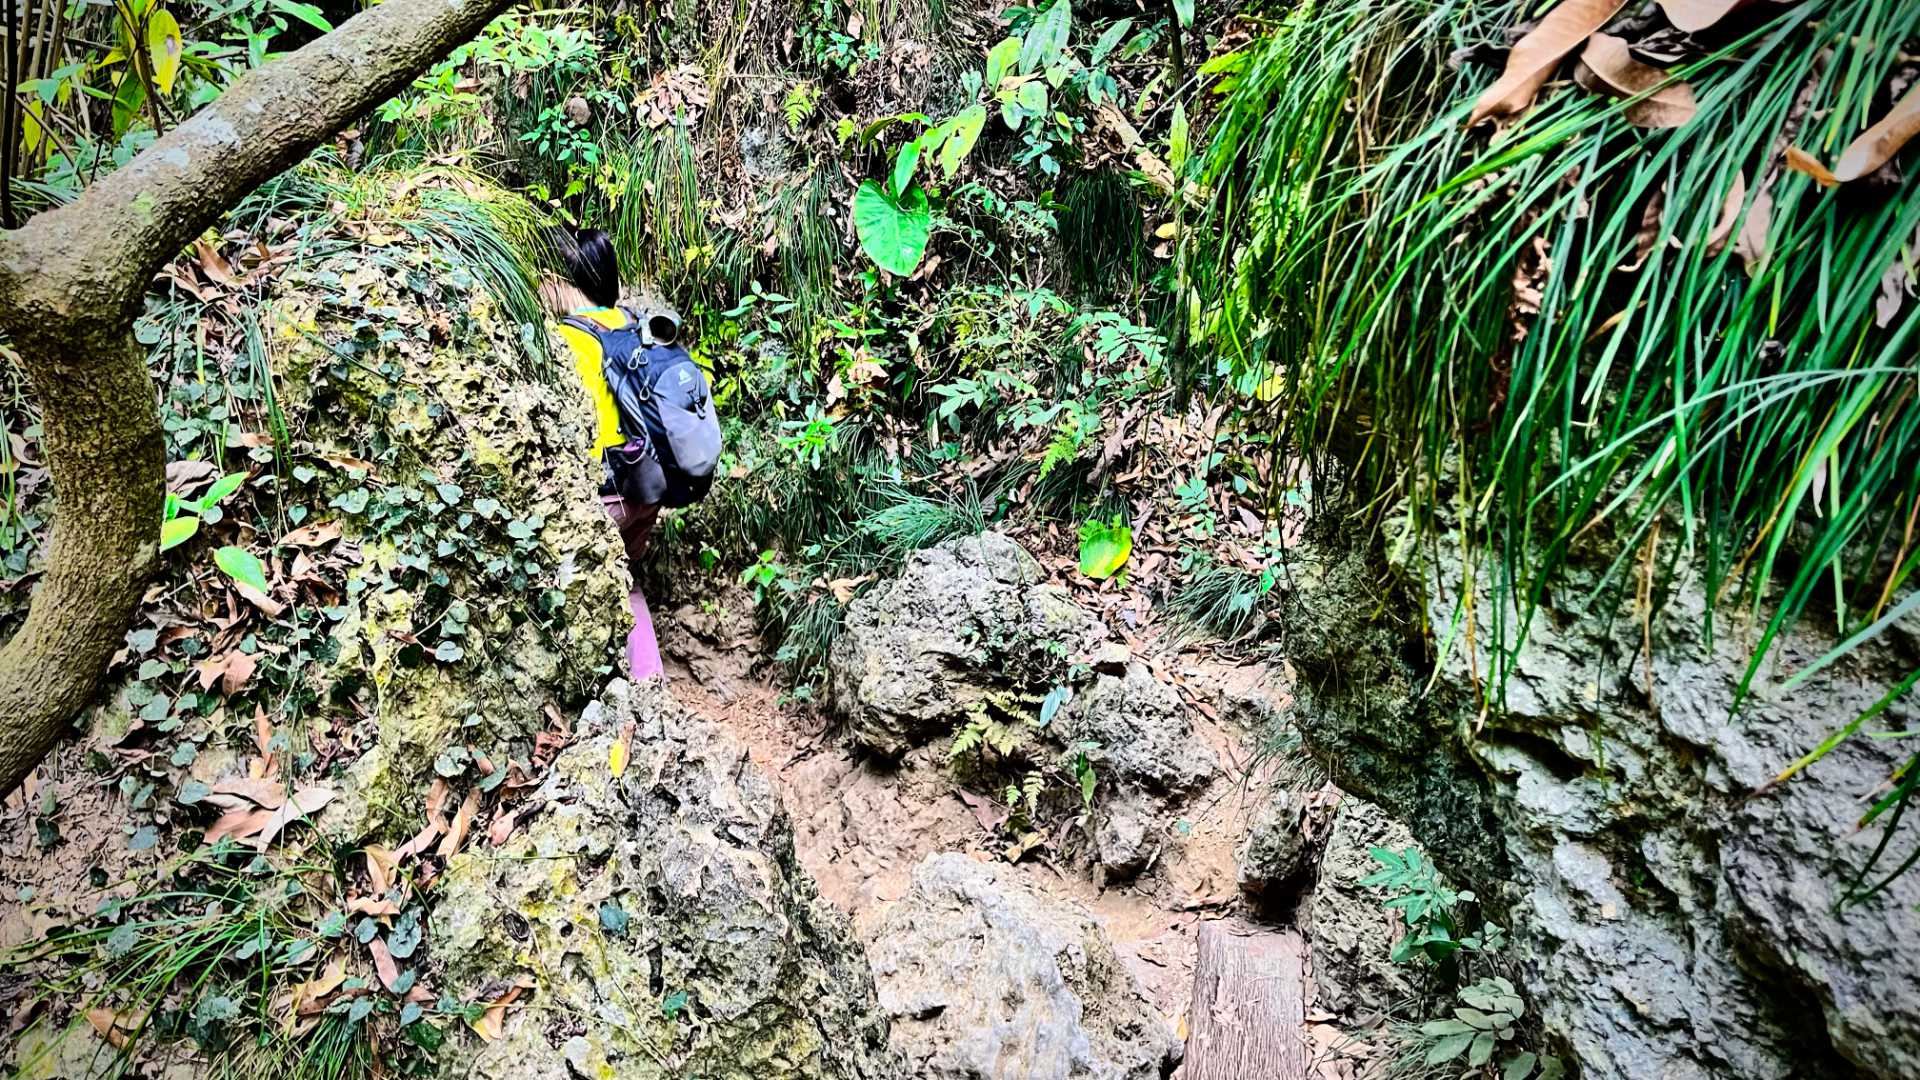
{"x": 1221, "y": 602}
{"x": 1373, "y": 250}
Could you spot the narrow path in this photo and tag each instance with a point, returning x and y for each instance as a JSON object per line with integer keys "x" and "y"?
{"x": 860, "y": 829}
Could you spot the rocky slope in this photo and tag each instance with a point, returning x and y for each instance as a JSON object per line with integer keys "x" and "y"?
{"x": 1672, "y": 919}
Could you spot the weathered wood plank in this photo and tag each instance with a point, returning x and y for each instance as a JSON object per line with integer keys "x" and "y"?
{"x": 1249, "y": 1017}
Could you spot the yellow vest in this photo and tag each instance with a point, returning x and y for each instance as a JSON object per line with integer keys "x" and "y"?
{"x": 587, "y": 360}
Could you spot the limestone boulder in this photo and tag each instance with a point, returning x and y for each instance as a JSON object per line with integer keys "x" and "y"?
{"x": 662, "y": 922}
{"x": 967, "y": 625}
{"x": 984, "y": 979}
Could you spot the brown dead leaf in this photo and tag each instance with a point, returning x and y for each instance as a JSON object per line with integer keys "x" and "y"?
{"x": 231, "y": 670}
{"x": 501, "y": 829}
{"x": 240, "y": 823}
{"x": 490, "y": 1024}
{"x": 318, "y": 534}
{"x": 367, "y": 905}
{"x": 305, "y": 801}
{"x": 1648, "y": 237}
{"x": 462, "y": 821}
{"x": 117, "y": 1028}
{"x": 270, "y": 794}
{"x": 1807, "y": 165}
{"x": 268, "y": 606}
{"x": 311, "y": 992}
{"x": 1729, "y": 215}
{"x": 1534, "y": 57}
{"x": 380, "y": 868}
{"x": 215, "y": 267}
{"x": 1607, "y": 67}
{"x": 1751, "y": 244}
{"x": 183, "y": 475}
{"x": 383, "y": 964}
{"x": 1894, "y": 284}
{"x": 1877, "y": 145}
{"x": 988, "y": 812}
{"x": 1693, "y": 16}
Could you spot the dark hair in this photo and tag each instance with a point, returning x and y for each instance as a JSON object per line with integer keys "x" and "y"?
{"x": 590, "y": 262}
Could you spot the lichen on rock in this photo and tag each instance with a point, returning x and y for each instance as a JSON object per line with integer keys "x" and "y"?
{"x": 663, "y": 920}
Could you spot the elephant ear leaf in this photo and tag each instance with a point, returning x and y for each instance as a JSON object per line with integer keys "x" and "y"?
{"x": 892, "y": 231}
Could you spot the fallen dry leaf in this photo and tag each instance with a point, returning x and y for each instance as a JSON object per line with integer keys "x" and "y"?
{"x": 491, "y": 1022}
{"x": 313, "y": 990}
{"x": 383, "y": 964}
{"x": 240, "y": 823}
{"x": 115, "y": 1027}
{"x": 1729, "y": 215}
{"x": 305, "y": 801}
{"x": 1694, "y": 16}
{"x": 1607, "y": 67}
{"x": 319, "y": 534}
{"x": 380, "y": 868}
{"x": 462, "y": 821}
{"x": 1877, "y": 145}
{"x": 270, "y": 794}
{"x": 1807, "y": 165}
{"x": 268, "y": 606}
{"x": 1648, "y": 236}
{"x": 1751, "y": 245}
{"x": 1534, "y": 57}
{"x": 617, "y": 753}
{"x": 231, "y": 670}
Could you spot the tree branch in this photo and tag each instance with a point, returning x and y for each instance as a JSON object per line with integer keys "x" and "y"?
{"x": 71, "y": 281}
{"x": 126, "y": 226}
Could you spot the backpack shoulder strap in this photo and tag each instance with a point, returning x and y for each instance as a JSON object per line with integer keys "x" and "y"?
{"x": 581, "y": 322}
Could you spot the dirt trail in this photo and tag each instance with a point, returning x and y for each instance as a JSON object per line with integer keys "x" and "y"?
{"x": 860, "y": 828}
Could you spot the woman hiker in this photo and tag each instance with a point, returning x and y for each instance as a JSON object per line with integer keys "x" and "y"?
{"x": 655, "y": 430}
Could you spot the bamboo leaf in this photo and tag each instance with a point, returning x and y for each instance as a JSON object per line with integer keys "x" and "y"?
{"x": 1535, "y": 56}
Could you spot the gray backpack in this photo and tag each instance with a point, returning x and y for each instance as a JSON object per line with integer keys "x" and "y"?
{"x": 666, "y": 413}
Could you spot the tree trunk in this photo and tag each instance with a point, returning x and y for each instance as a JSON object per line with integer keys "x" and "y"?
{"x": 71, "y": 282}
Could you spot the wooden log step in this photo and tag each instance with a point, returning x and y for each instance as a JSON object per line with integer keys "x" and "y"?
{"x": 1248, "y": 1020}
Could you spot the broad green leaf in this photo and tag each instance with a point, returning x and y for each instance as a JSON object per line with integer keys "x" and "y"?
{"x": 1109, "y": 40}
{"x": 242, "y": 566}
{"x": 1177, "y": 146}
{"x": 306, "y": 13}
{"x": 1047, "y": 37}
{"x": 893, "y": 232}
{"x": 1518, "y": 1066}
{"x": 222, "y": 488}
{"x": 1482, "y": 1051}
{"x": 1183, "y": 10}
{"x": 1000, "y": 61}
{"x": 904, "y": 164}
{"x": 1032, "y": 96}
{"x": 962, "y": 136}
{"x": 1055, "y": 698}
{"x": 163, "y": 49}
{"x": 1448, "y": 1048}
{"x": 1104, "y": 548}
{"x": 177, "y": 531}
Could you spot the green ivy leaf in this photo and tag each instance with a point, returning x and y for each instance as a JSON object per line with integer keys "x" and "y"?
{"x": 1518, "y": 1066}
{"x": 242, "y": 566}
{"x": 1177, "y": 141}
{"x": 1448, "y": 1048}
{"x": 893, "y": 232}
{"x": 164, "y": 47}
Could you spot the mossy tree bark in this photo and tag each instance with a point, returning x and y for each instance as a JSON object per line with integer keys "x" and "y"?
{"x": 71, "y": 282}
